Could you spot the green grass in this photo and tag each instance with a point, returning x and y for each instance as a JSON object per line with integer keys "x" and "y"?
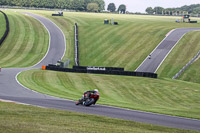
{"x": 192, "y": 74}
{"x": 164, "y": 96}
{"x": 67, "y": 26}
{"x": 2, "y": 25}
{"x": 26, "y": 43}
{"x": 16, "y": 118}
{"x": 125, "y": 45}
{"x": 184, "y": 51}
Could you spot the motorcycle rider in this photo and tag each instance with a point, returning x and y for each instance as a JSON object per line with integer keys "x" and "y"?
{"x": 87, "y": 94}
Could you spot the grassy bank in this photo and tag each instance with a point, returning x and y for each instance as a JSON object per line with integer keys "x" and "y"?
{"x": 184, "y": 51}
{"x": 155, "y": 95}
{"x": 22, "y": 118}
{"x": 192, "y": 73}
{"x": 67, "y": 26}
{"x": 125, "y": 45}
{"x": 26, "y": 43}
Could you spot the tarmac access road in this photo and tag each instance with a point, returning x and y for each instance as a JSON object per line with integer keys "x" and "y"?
{"x": 12, "y": 91}
{"x": 159, "y": 54}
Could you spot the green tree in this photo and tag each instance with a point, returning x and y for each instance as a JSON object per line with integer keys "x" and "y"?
{"x": 66, "y": 4}
{"x": 101, "y": 4}
{"x": 158, "y": 10}
{"x": 196, "y": 10}
{"x": 93, "y": 7}
{"x": 122, "y": 8}
{"x": 149, "y": 10}
{"x": 78, "y": 5}
{"x": 111, "y": 7}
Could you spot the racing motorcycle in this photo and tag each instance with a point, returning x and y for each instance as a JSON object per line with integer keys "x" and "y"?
{"x": 92, "y": 99}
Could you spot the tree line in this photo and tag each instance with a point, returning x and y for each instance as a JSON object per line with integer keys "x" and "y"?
{"x": 121, "y": 8}
{"x": 191, "y": 9}
{"x": 80, "y": 5}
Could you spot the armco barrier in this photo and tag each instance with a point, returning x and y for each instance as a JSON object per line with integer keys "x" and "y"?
{"x": 113, "y": 71}
{"x": 187, "y": 65}
{"x": 7, "y": 28}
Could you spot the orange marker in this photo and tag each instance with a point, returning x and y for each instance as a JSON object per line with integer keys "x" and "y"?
{"x": 43, "y": 67}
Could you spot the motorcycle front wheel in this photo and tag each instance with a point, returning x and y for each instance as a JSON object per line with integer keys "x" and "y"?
{"x": 89, "y": 102}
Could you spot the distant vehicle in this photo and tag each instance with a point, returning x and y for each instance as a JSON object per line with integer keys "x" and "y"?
{"x": 59, "y": 14}
{"x": 89, "y": 98}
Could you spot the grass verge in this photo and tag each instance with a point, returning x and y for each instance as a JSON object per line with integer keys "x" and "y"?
{"x": 16, "y": 118}
{"x": 26, "y": 43}
{"x": 192, "y": 73}
{"x": 184, "y": 51}
{"x": 163, "y": 96}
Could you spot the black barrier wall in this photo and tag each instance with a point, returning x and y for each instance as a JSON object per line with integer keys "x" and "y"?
{"x": 7, "y": 28}
{"x": 76, "y": 45}
{"x": 100, "y": 70}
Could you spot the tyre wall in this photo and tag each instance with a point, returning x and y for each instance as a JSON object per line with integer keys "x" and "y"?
{"x": 7, "y": 28}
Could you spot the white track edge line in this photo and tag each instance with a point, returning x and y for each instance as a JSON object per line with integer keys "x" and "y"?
{"x": 50, "y": 37}
{"x": 44, "y": 56}
{"x": 45, "y": 95}
{"x": 168, "y": 53}
{"x": 49, "y": 42}
{"x": 156, "y": 48}
{"x": 172, "y": 49}
{"x": 11, "y": 101}
{"x": 149, "y": 112}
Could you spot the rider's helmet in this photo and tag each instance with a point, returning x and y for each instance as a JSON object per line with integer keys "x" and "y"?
{"x": 96, "y": 90}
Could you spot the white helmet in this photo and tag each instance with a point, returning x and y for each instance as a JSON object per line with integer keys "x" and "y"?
{"x": 96, "y": 90}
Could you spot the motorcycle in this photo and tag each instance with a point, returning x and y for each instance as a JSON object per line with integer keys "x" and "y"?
{"x": 92, "y": 99}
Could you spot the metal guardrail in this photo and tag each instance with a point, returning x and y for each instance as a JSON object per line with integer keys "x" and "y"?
{"x": 76, "y": 45}
{"x": 186, "y": 66}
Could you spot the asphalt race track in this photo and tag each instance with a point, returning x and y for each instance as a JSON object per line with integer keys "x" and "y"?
{"x": 11, "y": 90}
{"x": 153, "y": 62}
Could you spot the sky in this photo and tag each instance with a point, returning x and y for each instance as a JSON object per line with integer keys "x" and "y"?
{"x": 141, "y": 5}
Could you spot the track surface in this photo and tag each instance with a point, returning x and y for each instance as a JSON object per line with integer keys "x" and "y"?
{"x": 163, "y": 49}
{"x": 11, "y": 90}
